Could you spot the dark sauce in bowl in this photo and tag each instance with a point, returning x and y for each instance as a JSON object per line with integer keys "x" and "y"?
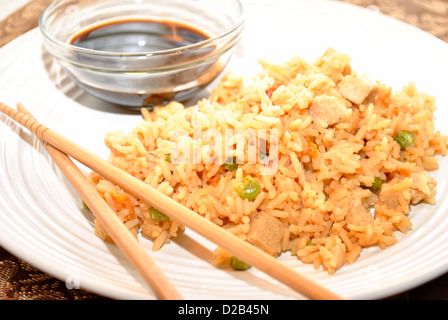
{"x": 134, "y": 36}
{"x": 157, "y": 78}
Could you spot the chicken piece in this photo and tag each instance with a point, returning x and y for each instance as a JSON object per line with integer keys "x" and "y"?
{"x": 334, "y": 65}
{"x": 329, "y": 109}
{"x": 423, "y": 189}
{"x": 355, "y": 88}
{"x": 390, "y": 199}
{"x": 266, "y": 233}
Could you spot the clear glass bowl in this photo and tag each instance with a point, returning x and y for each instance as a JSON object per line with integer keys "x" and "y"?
{"x": 147, "y": 78}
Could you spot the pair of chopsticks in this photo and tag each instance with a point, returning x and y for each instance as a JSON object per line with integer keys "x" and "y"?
{"x": 60, "y": 148}
{"x": 121, "y": 236}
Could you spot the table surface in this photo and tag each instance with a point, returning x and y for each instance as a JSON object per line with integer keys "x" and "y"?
{"x": 21, "y": 281}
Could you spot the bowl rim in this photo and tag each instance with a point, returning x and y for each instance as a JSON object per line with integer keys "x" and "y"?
{"x": 48, "y": 35}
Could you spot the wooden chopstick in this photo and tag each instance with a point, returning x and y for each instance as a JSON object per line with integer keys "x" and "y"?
{"x": 224, "y": 239}
{"x": 121, "y": 236}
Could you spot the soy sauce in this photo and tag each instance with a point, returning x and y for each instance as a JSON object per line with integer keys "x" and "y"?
{"x": 147, "y": 80}
{"x": 137, "y": 35}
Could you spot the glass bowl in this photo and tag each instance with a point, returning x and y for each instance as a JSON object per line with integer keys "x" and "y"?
{"x": 142, "y": 72}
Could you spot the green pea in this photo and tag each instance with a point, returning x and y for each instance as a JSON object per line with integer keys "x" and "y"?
{"x": 85, "y": 205}
{"x": 404, "y": 139}
{"x": 157, "y": 215}
{"x": 238, "y": 264}
{"x": 248, "y": 189}
{"x": 377, "y": 183}
{"x": 231, "y": 164}
{"x": 263, "y": 157}
{"x": 168, "y": 158}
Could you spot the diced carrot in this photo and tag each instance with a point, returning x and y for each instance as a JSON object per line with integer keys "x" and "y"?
{"x": 140, "y": 136}
{"x": 214, "y": 181}
{"x": 269, "y": 92}
{"x": 312, "y": 148}
{"x": 122, "y": 201}
{"x": 404, "y": 172}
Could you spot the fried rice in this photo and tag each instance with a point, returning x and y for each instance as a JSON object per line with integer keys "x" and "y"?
{"x": 326, "y": 137}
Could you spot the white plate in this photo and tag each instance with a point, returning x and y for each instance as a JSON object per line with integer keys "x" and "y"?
{"x": 41, "y": 217}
